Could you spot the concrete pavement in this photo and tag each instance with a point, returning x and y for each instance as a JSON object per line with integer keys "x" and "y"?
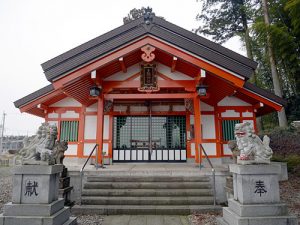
{"x": 145, "y": 220}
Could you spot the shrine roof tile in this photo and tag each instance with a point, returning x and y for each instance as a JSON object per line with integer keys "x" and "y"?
{"x": 160, "y": 28}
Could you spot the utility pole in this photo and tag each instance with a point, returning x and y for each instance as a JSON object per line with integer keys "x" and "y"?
{"x": 2, "y": 131}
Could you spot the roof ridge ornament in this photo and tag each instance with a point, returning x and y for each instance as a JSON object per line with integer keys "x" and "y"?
{"x": 148, "y": 16}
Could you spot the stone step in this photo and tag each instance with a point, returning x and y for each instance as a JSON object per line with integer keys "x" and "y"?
{"x": 144, "y": 209}
{"x": 206, "y": 200}
{"x": 71, "y": 221}
{"x": 147, "y": 185}
{"x": 147, "y": 192}
{"x": 148, "y": 179}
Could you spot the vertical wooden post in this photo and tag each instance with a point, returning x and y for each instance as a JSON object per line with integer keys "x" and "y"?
{"x": 99, "y": 138}
{"x": 197, "y": 126}
{"x": 81, "y": 132}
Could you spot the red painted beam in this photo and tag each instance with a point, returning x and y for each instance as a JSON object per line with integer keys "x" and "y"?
{"x": 150, "y": 96}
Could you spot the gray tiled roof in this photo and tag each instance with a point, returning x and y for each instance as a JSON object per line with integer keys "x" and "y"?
{"x": 160, "y": 28}
{"x": 34, "y": 95}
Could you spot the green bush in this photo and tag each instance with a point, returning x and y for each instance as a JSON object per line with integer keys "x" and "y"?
{"x": 293, "y": 162}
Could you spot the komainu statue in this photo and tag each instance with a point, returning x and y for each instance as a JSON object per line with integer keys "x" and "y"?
{"x": 252, "y": 149}
{"x": 43, "y": 149}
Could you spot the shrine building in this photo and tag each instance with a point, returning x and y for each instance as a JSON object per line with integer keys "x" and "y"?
{"x": 149, "y": 91}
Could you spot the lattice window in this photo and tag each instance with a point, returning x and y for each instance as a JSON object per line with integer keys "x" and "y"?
{"x": 69, "y": 131}
{"x": 228, "y": 129}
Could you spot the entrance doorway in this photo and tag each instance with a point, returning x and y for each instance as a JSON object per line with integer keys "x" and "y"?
{"x": 149, "y": 139}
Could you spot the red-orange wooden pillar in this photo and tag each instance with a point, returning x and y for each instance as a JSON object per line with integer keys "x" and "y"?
{"x": 197, "y": 127}
{"x": 99, "y": 137}
{"x": 81, "y": 132}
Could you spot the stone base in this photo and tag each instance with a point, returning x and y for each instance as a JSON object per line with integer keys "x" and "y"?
{"x": 253, "y": 210}
{"x": 11, "y": 209}
{"x": 256, "y": 197}
{"x": 230, "y": 218}
{"x": 59, "y": 218}
{"x": 35, "y": 198}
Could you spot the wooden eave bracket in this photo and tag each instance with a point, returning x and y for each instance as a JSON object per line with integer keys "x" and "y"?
{"x": 173, "y": 66}
{"x": 122, "y": 64}
{"x": 201, "y": 76}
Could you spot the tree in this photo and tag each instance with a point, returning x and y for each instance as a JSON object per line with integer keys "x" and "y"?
{"x": 223, "y": 19}
{"x": 275, "y": 77}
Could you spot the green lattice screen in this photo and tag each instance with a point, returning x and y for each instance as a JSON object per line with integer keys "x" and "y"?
{"x": 69, "y": 131}
{"x": 228, "y": 129}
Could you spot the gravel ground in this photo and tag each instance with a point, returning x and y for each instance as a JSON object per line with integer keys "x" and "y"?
{"x": 289, "y": 190}
{"x": 5, "y": 186}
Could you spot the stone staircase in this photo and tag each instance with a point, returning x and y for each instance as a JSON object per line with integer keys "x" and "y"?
{"x": 156, "y": 194}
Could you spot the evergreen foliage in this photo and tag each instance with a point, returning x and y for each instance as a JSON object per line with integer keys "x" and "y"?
{"x": 224, "y": 19}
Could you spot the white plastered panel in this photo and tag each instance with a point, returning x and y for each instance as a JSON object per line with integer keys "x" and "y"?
{"x": 206, "y": 107}
{"x": 247, "y": 114}
{"x": 178, "y": 108}
{"x": 70, "y": 114}
{"x": 53, "y": 123}
{"x": 232, "y": 101}
{"x": 138, "y": 108}
{"x": 175, "y": 75}
{"x": 66, "y": 102}
{"x": 106, "y": 127}
{"x": 230, "y": 113}
{"x": 226, "y": 150}
{"x": 160, "y": 108}
{"x": 87, "y": 148}
{"x": 92, "y": 108}
{"x": 105, "y": 148}
{"x": 210, "y": 148}
{"x": 72, "y": 149}
{"x": 208, "y": 127}
{"x": 90, "y": 127}
{"x": 52, "y": 115}
{"x": 123, "y": 76}
{"x": 193, "y": 149}
{"x": 120, "y": 108}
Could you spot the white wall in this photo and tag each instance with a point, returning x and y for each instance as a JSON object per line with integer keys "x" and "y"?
{"x": 72, "y": 149}
{"x": 87, "y": 148}
{"x": 232, "y": 101}
{"x": 52, "y": 115}
{"x": 178, "y": 108}
{"x": 210, "y": 148}
{"x": 66, "y": 102}
{"x": 226, "y": 150}
{"x": 90, "y": 127}
{"x": 70, "y": 114}
{"x": 208, "y": 126}
{"x": 160, "y": 108}
{"x": 230, "y": 113}
{"x": 106, "y": 127}
{"x": 206, "y": 107}
{"x": 92, "y": 108}
{"x": 247, "y": 114}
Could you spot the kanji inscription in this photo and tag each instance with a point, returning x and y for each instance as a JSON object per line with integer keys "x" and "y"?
{"x": 30, "y": 188}
{"x": 260, "y": 188}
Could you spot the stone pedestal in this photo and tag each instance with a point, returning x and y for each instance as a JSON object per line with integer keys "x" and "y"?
{"x": 65, "y": 188}
{"x": 35, "y": 198}
{"x": 256, "y": 198}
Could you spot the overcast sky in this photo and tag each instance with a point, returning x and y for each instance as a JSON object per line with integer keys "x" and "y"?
{"x": 34, "y": 31}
